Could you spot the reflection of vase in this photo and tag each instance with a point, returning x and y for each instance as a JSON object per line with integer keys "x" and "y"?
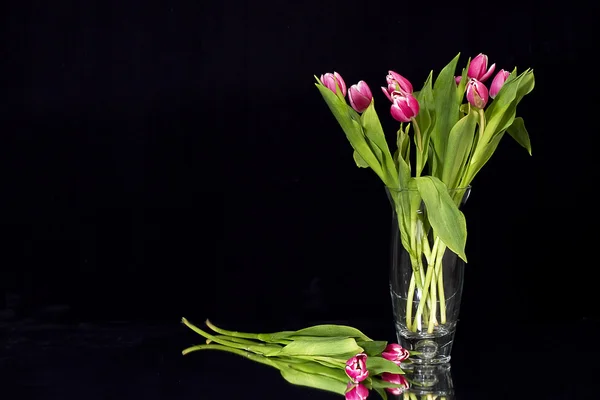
{"x": 425, "y": 281}
{"x": 429, "y": 382}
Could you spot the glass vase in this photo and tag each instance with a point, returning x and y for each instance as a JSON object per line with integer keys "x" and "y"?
{"x": 426, "y": 280}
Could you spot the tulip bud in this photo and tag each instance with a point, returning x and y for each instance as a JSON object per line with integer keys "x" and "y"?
{"x": 396, "y": 353}
{"x": 398, "y": 82}
{"x": 396, "y": 379}
{"x": 356, "y": 368}
{"x": 329, "y": 80}
{"x": 477, "y": 93}
{"x": 498, "y": 82}
{"x": 360, "y": 96}
{"x": 404, "y": 107}
{"x": 478, "y": 66}
{"x": 356, "y": 392}
{"x": 457, "y": 79}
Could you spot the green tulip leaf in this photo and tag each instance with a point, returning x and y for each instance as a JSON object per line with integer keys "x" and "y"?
{"x": 519, "y": 133}
{"x": 378, "y": 365}
{"x": 318, "y": 369}
{"x": 376, "y": 138}
{"x": 300, "y": 378}
{"x": 377, "y": 383}
{"x": 328, "y": 330}
{"x": 372, "y": 348}
{"x": 359, "y": 160}
{"x": 446, "y": 108}
{"x": 425, "y": 120}
{"x": 444, "y": 216}
{"x": 323, "y": 347}
{"x": 352, "y": 128}
{"x": 460, "y": 142}
{"x": 381, "y": 392}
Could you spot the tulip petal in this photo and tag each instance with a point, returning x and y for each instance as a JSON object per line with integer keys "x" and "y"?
{"x": 488, "y": 73}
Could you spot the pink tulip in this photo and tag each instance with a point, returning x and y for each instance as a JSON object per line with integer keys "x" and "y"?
{"x": 478, "y": 66}
{"x": 398, "y": 82}
{"x": 356, "y": 392}
{"x": 498, "y": 82}
{"x": 477, "y": 93}
{"x": 396, "y": 379}
{"x": 356, "y": 368}
{"x": 396, "y": 353}
{"x": 360, "y": 96}
{"x": 329, "y": 81}
{"x": 404, "y": 107}
{"x": 457, "y": 79}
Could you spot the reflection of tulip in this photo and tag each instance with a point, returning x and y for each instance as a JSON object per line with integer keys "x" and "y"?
{"x": 360, "y": 96}
{"x": 356, "y": 368}
{"x": 404, "y": 107}
{"x": 356, "y": 392}
{"x": 396, "y": 379}
{"x": 477, "y": 93}
{"x": 398, "y": 82}
{"x": 329, "y": 80}
{"x": 498, "y": 82}
{"x": 396, "y": 353}
{"x": 478, "y": 66}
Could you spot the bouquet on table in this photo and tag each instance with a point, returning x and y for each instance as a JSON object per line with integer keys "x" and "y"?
{"x": 448, "y": 131}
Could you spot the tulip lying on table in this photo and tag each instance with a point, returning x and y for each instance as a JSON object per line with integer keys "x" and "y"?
{"x": 336, "y": 358}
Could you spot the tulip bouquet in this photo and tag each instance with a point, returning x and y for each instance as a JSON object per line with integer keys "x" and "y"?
{"x": 336, "y": 358}
{"x": 456, "y": 127}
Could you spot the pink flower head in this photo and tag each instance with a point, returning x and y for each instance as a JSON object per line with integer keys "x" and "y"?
{"x": 477, "y": 93}
{"x": 356, "y": 391}
{"x": 478, "y": 66}
{"x": 360, "y": 96}
{"x": 396, "y": 379}
{"x": 457, "y": 79}
{"x": 498, "y": 82}
{"x": 397, "y": 82}
{"x": 396, "y": 353}
{"x": 329, "y": 80}
{"x": 404, "y": 107}
{"x": 356, "y": 368}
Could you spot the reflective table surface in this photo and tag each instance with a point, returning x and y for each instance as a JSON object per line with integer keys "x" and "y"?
{"x": 135, "y": 360}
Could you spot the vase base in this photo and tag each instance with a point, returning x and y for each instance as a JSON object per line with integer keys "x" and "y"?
{"x": 434, "y": 348}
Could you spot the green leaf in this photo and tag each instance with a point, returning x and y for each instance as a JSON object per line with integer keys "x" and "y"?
{"x": 460, "y": 142}
{"x": 501, "y": 115}
{"x": 359, "y": 160}
{"x": 500, "y": 118}
{"x": 446, "y": 109}
{"x": 460, "y": 90}
{"x": 300, "y": 378}
{"x": 323, "y": 347}
{"x": 318, "y": 369}
{"x": 352, "y": 128}
{"x": 378, "y": 365}
{"x": 519, "y": 133}
{"x": 381, "y": 392}
{"x": 403, "y": 158}
{"x": 425, "y": 119}
{"x": 330, "y": 330}
{"x": 372, "y": 348}
{"x": 443, "y": 214}
{"x": 376, "y": 138}
{"x": 377, "y": 383}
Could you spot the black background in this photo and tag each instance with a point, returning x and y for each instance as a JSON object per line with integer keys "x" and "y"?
{"x": 169, "y": 159}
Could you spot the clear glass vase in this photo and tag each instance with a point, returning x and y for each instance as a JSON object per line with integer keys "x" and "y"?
{"x": 426, "y": 282}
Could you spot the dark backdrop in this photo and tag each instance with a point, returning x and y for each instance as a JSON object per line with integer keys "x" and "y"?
{"x": 168, "y": 159}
